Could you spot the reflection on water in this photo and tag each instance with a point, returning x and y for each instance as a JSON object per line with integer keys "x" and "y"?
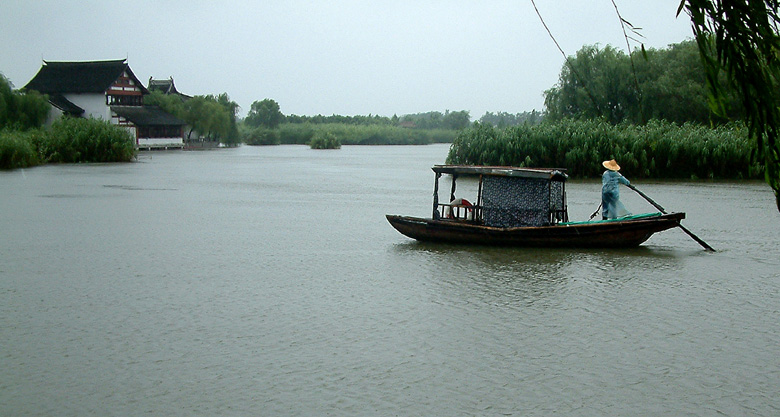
{"x": 266, "y": 281}
{"x": 524, "y": 276}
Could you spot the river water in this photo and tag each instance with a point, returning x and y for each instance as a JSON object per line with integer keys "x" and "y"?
{"x": 266, "y": 281}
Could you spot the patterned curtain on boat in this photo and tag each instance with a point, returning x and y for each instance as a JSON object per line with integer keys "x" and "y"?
{"x": 514, "y": 202}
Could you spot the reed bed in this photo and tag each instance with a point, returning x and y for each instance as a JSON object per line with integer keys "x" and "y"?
{"x": 302, "y": 133}
{"x": 656, "y": 150}
{"x": 17, "y": 149}
{"x": 68, "y": 140}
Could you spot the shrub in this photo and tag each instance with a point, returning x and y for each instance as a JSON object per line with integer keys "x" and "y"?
{"x": 325, "y": 140}
{"x": 87, "y": 140}
{"x": 261, "y": 136}
{"x": 17, "y": 149}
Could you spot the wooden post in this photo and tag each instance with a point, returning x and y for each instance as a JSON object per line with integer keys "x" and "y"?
{"x": 452, "y": 191}
{"x": 435, "y": 214}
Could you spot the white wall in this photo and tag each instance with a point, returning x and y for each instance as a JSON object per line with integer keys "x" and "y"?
{"x": 94, "y": 105}
{"x": 131, "y": 129}
{"x": 54, "y": 114}
{"x": 160, "y": 142}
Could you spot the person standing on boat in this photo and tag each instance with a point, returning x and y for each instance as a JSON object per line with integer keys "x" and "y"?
{"x": 611, "y": 207}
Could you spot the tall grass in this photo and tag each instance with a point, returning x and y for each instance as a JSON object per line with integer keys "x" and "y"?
{"x": 88, "y": 140}
{"x": 658, "y": 149}
{"x": 68, "y": 140}
{"x": 18, "y": 149}
{"x": 261, "y": 136}
{"x": 302, "y": 133}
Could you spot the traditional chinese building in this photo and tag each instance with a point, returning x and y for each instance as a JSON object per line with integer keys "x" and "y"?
{"x": 192, "y": 137}
{"x": 107, "y": 90}
{"x": 166, "y": 86}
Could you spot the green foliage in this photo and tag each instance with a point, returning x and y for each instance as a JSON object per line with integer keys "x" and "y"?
{"x": 430, "y": 120}
{"x": 599, "y": 83}
{"x": 228, "y": 131}
{"x": 325, "y": 140}
{"x": 23, "y": 143}
{"x": 261, "y": 136}
{"x": 21, "y": 110}
{"x": 504, "y": 119}
{"x": 348, "y": 120}
{"x": 171, "y": 103}
{"x": 436, "y": 120}
{"x": 68, "y": 140}
{"x": 212, "y": 116}
{"x": 17, "y": 149}
{"x": 348, "y": 134}
{"x": 365, "y": 134}
{"x": 87, "y": 140}
{"x": 741, "y": 38}
{"x": 208, "y": 116}
{"x": 594, "y": 83}
{"x": 296, "y": 133}
{"x": 658, "y": 149}
{"x": 264, "y": 113}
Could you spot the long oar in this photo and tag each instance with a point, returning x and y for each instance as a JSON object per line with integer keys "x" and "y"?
{"x": 595, "y": 213}
{"x": 661, "y": 209}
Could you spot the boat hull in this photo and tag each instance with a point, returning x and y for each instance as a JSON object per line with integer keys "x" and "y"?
{"x": 612, "y": 233}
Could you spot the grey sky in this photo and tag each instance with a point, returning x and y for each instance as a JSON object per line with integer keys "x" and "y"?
{"x": 337, "y": 56}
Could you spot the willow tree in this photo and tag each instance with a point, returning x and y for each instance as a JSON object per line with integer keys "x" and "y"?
{"x": 741, "y": 38}
{"x": 21, "y": 110}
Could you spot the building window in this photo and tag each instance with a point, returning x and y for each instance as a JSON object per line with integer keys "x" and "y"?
{"x": 159, "y": 131}
{"x": 123, "y": 100}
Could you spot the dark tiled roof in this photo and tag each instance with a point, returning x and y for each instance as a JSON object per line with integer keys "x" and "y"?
{"x": 147, "y": 116}
{"x": 79, "y": 77}
{"x": 59, "y": 101}
{"x": 165, "y": 86}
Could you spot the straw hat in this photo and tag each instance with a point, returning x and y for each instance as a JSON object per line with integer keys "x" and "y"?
{"x": 611, "y": 165}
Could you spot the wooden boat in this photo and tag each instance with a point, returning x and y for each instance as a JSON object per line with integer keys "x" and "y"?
{"x": 522, "y": 207}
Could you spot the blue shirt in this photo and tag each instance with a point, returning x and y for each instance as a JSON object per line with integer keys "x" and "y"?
{"x": 611, "y": 207}
{"x": 610, "y": 181}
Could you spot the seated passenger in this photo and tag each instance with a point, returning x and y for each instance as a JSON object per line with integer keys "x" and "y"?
{"x": 454, "y": 209}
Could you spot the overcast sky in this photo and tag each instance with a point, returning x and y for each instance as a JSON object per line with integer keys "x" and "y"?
{"x": 336, "y": 56}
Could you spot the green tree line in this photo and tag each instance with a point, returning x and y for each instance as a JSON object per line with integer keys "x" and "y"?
{"x": 265, "y": 124}
{"x": 672, "y": 85}
{"x": 346, "y": 134}
{"x": 214, "y": 116}
{"x": 347, "y": 120}
{"x": 504, "y": 119}
{"x": 267, "y": 113}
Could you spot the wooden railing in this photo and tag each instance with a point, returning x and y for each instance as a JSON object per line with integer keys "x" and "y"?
{"x": 460, "y": 212}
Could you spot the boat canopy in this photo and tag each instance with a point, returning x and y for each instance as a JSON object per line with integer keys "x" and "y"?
{"x": 507, "y": 196}
{"x": 552, "y": 174}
